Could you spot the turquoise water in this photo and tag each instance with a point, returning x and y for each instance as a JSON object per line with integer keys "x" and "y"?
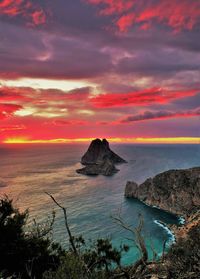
{"x": 27, "y": 171}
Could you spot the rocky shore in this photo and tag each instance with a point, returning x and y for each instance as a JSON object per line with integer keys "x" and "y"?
{"x": 100, "y": 159}
{"x": 176, "y": 191}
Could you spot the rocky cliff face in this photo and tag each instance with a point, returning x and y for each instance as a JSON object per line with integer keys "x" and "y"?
{"x": 100, "y": 159}
{"x": 176, "y": 191}
{"x": 192, "y": 221}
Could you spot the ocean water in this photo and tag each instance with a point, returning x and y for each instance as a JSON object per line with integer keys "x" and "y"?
{"x": 28, "y": 171}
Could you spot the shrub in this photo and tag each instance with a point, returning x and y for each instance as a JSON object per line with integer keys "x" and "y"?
{"x": 24, "y": 255}
{"x": 184, "y": 256}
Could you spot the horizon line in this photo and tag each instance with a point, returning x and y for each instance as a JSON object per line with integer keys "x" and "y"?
{"x": 142, "y": 140}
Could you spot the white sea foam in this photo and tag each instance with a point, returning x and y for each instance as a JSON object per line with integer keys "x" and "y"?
{"x": 171, "y": 239}
{"x": 154, "y": 206}
{"x": 181, "y": 220}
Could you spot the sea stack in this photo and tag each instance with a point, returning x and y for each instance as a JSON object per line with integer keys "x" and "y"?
{"x": 100, "y": 159}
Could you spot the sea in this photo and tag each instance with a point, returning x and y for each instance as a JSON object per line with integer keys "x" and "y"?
{"x": 28, "y": 171}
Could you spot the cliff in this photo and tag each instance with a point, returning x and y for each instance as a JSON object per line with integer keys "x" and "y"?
{"x": 192, "y": 221}
{"x": 176, "y": 191}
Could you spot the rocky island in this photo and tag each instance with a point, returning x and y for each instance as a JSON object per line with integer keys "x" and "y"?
{"x": 100, "y": 159}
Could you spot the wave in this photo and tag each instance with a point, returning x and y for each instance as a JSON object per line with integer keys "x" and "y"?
{"x": 171, "y": 239}
{"x": 181, "y": 220}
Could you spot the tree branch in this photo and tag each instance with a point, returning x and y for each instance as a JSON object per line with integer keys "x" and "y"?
{"x": 71, "y": 238}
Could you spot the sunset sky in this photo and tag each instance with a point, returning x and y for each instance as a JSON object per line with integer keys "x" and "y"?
{"x": 79, "y": 69}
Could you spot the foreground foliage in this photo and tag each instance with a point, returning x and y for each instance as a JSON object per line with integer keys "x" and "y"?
{"x": 30, "y": 254}
{"x": 24, "y": 254}
{"x": 184, "y": 256}
{"x": 33, "y": 254}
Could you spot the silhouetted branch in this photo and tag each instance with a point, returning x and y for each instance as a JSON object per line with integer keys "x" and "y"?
{"x": 140, "y": 243}
{"x": 71, "y": 238}
{"x": 163, "y": 250}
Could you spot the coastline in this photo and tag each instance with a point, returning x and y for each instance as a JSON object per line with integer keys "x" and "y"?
{"x": 175, "y": 192}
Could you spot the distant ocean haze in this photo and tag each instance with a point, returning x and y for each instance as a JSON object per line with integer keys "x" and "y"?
{"x": 28, "y": 171}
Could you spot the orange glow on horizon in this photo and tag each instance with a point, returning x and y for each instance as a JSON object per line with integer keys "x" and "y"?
{"x": 175, "y": 140}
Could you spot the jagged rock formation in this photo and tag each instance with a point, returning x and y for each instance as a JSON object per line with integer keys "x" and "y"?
{"x": 100, "y": 159}
{"x": 176, "y": 191}
{"x": 98, "y": 151}
{"x": 106, "y": 168}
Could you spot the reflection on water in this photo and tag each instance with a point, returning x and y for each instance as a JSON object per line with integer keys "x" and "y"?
{"x": 31, "y": 170}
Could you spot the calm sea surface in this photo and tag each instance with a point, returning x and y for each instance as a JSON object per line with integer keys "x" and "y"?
{"x": 27, "y": 171}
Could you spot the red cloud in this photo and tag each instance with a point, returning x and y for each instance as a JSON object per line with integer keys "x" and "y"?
{"x": 178, "y": 14}
{"x": 28, "y": 95}
{"x": 38, "y": 17}
{"x": 61, "y": 122}
{"x": 6, "y": 110}
{"x": 24, "y": 8}
{"x": 12, "y": 128}
{"x": 125, "y": 22}
{"x": 113, "y": 6}
{"x": 159, "y": 115}
{"x": 15, "y": 93}
{"x": 46, "y": 103}
{"x": 141, "y": 98}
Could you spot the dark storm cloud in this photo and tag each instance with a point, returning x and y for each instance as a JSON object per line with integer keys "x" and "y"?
{"x": 74, "y": 43}
{"x": 190, "y": 103}
{"x": 48, "y": 56}
{"x": 160, "y": 115}
{"x": 161, "y": 62}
